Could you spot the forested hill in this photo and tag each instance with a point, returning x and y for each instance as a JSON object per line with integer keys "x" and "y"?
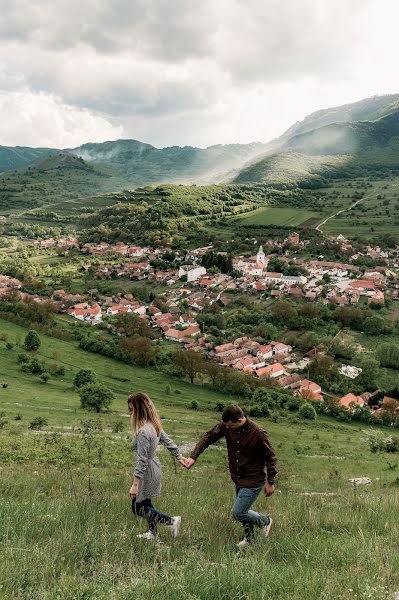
{"x": 344, "y": 149}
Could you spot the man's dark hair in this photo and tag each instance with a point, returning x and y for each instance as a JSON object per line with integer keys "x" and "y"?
{"x": 233, "y": 413}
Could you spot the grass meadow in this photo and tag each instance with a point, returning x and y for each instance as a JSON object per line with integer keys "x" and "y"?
{"x": 60, "y": 540}
{"x": 276, "y": 216}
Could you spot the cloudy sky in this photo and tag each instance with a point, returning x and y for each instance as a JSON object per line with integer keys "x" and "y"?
{"x": 177, "y": 72}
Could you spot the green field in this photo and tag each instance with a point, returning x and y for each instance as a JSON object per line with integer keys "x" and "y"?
{"x": 277, "y": 216}
{"x": 60, "y": 542}
{"x": 377, "y": 213}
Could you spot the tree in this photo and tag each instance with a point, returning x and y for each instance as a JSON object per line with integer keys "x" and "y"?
{"x": 95, "y": 396}
{"x": 391, "y": 407}
{"x": 388, "y": 355}
{"x": 32, "y": 341}
{"x": 374, "y": 325}
{"x": 370, "y": 370}
{"x": 323, "y": 366}
{"x": 133, "y": 325}
{"x": 282, "y": 310}
{"x": 307, "y": 411}
{"x": 84, "y": 377}
{"x": 141, "y": 350}
{"x": 189, "y": 362}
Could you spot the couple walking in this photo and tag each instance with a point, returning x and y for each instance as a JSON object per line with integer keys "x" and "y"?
{"x": 252, "y": 464}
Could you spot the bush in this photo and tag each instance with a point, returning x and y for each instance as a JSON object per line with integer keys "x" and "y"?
{"x": 23, "y": 358}
{"x": 9, "y": 345}
{"x": 45, "y": 377}
{"x": 194, "y": 405}
{"x": 38, "y": 423}
{"x": 96, "y": 397}
{"x": 168, "y": 390}
{"x": 84, "y": 377}
{"x": 18, "y": 417}
{"x": 32, "y": 341}
{"x": 378, "y": 442}
{"x": 118, "y": 426}
{"x": 307, "y": 411}
{"x": 219, "y": 406}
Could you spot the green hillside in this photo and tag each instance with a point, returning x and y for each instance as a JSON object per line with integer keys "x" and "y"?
{"x": 339, "y": 150}
{"x": 19, "y": 156}
{"x": 368, "y": 109}
{"x": 142, "y": 164}
{"x": 66, "y": 527}
{"x": 52, "y": 179}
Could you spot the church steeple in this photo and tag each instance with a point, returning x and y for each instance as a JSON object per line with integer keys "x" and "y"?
{"x": 261, "y": 257}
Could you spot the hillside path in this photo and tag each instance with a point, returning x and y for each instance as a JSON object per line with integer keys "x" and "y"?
{"x": 343, "y": 209}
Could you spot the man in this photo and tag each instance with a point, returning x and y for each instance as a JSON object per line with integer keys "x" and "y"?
{"x": 252, "y": 464}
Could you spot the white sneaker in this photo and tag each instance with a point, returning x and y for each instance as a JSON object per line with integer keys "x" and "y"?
{"x": 266, "y": 529}
{"x": 146, "y": 536}
{"x": 243, "y": 544}
{"x": 175, "y": 526}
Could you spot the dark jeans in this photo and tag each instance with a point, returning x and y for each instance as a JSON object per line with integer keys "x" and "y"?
{"x": 241, "y": 512}
{"x": 148, "y": 511}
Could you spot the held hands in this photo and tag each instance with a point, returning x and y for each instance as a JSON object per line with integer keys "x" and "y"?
{"x": 186, "y": 462}
{"x": 269, "y": 489}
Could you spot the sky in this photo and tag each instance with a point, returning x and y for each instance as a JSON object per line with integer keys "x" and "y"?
{"x": 186, "y": 72}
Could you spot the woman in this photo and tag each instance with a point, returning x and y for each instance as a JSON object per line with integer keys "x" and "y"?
{"x": 146, "y": 424}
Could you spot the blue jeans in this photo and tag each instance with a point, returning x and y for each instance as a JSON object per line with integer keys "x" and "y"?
{"x": 146, "y": 509}
{"x": 241, "y": 512}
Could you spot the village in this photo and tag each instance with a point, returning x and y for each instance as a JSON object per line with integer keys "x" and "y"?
{"x": 191, "y": 288}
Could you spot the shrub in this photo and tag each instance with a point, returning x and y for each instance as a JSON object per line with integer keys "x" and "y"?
{"x": 18, "y": 417}
{"x": 307, "y": 411}
{"x": 9, "y": 345}
{"x": 194, "y": 405}
{"x": 32, "y": 341}
{"x": 168, "y": 390}
{"x": 84, "y": 377}
{"x": 38, "y": 423}
{"x": 45, "y": 377}
{"x": 219, "y": 406}
{"x": 118, "y": 426}
{"x": 23, "y": 358}
{"x": 95, "y": 396}
{"x": 378, "y": 442}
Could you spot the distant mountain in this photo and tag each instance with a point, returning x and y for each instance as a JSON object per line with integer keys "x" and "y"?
{"x": 61, "y": 176}
{"x": 19, "y": 156}
{"x": 339, "y": 149}
{"x": 141, "y": 164}
{"x": 369, "y": 109}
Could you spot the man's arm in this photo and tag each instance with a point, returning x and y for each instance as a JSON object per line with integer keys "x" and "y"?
{"x": 210, "y": 437}
{"x": 270, "y": 458}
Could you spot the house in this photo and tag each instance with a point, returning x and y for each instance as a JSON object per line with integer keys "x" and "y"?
{"x": 273, "y": 371}
{"x": 270, "y": 277}
{"x": 265, "y": 351}
{"x": 280, "y": 348}
{"x": 193, "y": 272}
{"x": 118, "y": 309}
{"x": 224, "y": 349}
{"x": 86, "y": 312}
{"x": 351, "y": 400}
{"x": 177, "y": 336}
{"x": 378, "y": 298}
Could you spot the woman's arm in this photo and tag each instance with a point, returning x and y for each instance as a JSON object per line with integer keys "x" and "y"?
{"x": 170, "y": 445}
{"x": 143, "y": 445}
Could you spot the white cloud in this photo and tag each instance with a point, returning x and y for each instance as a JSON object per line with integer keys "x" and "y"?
{"x": 40, "y": 120}
{"x": 186, "y": 72}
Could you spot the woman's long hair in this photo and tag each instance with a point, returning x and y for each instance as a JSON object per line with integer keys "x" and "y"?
{"x": 143, "y": 411}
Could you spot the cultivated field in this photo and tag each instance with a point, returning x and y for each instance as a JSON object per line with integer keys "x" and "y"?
{"x": 59, "y": 541}
{"x": 276, "y": 216}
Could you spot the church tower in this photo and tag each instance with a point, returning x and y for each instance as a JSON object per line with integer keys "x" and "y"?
{"x": 261, "y": 257}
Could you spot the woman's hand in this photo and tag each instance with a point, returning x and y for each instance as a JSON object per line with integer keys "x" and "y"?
{"x": 134, "y": 490}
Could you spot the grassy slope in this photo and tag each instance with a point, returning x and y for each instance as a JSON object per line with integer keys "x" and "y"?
{"x": 56, "y": 546}
{"x": 276, "y": 216}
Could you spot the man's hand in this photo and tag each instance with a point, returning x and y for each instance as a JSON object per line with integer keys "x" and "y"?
{"x": 189, "y": 463}
{"x": 134, "y": 490}
{"x": 182, "y": 460}
{"x": 269, "y": 489}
